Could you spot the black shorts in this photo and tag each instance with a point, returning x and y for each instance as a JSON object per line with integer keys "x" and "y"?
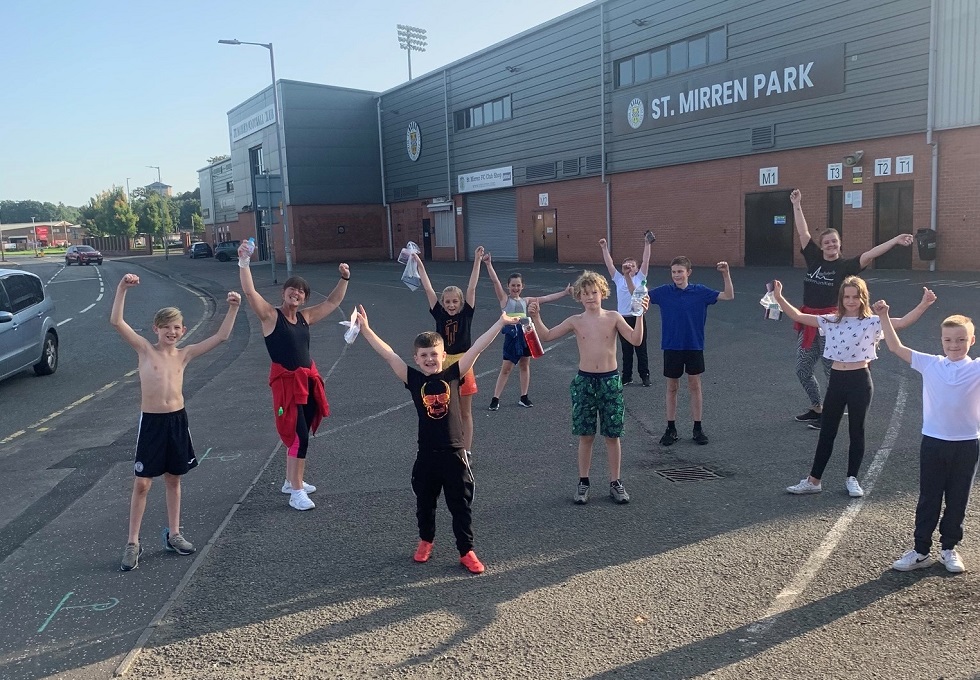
{"x": 163, "y": 444}
{"x": 677, "y": 360}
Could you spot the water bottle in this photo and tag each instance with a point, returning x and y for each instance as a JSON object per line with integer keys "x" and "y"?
{"x": 636, "y": 302}
{"x": 531, "y": 338}
{"x": 244, "y": 260}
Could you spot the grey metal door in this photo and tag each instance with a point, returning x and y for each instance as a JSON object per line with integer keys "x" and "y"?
{"x": 491, "y": 222}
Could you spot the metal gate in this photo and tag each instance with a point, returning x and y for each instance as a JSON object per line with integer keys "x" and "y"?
{"x": 491, "y": 222}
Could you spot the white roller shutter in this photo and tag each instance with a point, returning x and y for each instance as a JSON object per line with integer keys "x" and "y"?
{"x": 491, "y": 222}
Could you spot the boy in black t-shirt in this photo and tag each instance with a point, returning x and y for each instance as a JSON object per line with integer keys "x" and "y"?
{"x": 454, "y": 319}
{"x": 442, "y": 463}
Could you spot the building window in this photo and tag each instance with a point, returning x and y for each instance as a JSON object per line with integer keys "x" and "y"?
{"x": 486, "y": 113}
{"x": 230, "y": 187}
{"x": 695, "y": 52}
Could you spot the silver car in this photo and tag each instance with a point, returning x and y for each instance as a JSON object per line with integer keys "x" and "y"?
{"x": 28, "y": 334}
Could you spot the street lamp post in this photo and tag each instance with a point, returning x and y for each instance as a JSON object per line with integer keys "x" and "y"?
{"x": 411, "y": 39}
{"x": 34, "y": 229}
{"x": 128, "y": 200}
{"x": 280, "y": 143}
{"x": 3, "y": 246}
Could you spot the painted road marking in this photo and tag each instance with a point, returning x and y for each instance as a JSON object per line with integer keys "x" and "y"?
{"x": 96, "y": 607}
{"x": 51, "y": 416}
{"x": 87, "y": 308}
{"x": 62, "y": 323}
{"x": 224, "y": 459}
{"x": 787, "y": 597}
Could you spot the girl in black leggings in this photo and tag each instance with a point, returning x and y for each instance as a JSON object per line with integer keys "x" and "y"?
{"x": 851, "y": 341}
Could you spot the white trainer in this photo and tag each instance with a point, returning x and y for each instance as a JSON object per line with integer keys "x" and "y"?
{"x": 912, "y": 560}
{"x": 288, "y": 488}
{"x": 300, "y": 501}
{"x": 805, "y": 487}
{"x": 952, "y": 560}
{"x": 854, "y": 488}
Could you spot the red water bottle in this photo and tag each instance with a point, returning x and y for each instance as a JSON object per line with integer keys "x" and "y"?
{"x": 531, "y": 338}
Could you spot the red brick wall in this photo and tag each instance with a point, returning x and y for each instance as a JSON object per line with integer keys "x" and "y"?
{"x": 698, "y": 209}
{"x": 336, "y": 232}
{"x": 958, "y": 214}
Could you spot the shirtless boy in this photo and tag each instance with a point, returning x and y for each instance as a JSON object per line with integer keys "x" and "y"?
{"x": 163, "y": 444}
{"x": 597, "y": 390}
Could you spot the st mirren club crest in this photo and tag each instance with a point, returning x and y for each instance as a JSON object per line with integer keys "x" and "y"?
{"x": 634, "y": 113}
{"x": 413, "y": 141}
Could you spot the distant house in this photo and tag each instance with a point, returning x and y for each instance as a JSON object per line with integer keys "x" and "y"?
{"x": 160, "y": 188}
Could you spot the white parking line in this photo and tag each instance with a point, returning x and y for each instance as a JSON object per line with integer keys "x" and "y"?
{"x": 62, "y": 323}
{"x": 787, "y": 597}
{"x": 87, "y": 308}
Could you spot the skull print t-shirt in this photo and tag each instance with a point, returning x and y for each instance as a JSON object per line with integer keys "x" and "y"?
{"x": 436, "y": 398}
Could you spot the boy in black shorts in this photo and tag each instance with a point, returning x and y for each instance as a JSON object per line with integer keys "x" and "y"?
{"x": 442, "y": 464}
{"x": 163, "y": 444}
{"x": 683, "y": 313}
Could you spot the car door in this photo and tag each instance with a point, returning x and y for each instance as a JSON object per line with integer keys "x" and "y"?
{"x": 26, "y": 294}
{"x": 7, "y": 335}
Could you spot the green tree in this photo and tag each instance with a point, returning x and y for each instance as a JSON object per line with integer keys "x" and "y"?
{"x": 155, "y": 216}
{"x": 109, "y": 213}
{"x": 197, "y": 223}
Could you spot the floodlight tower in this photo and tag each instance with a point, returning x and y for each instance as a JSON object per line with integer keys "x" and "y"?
{"x": 411, "y": 39}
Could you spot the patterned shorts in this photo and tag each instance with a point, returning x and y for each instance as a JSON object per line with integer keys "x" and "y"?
{"x": 597, "y": 395}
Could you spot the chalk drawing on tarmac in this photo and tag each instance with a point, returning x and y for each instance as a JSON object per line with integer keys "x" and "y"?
{"x": 95, "y": 607}
{"x": 224, "y": 459}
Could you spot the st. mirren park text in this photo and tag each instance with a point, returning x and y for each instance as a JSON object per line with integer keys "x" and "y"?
{"x": 791, "y": 79}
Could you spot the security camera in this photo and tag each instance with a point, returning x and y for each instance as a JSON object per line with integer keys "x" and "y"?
{"x": 853, "y": 159}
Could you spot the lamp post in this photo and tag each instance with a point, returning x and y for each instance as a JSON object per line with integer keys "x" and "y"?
{"x": 3, "y": 246}
{"x": 280, "y": 143}
{"x": 127, "y": 191}
{"x": 34, "y": 229}
{"x": 411, "y": 38}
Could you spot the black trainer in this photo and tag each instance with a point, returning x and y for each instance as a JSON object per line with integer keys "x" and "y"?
{"x": 627, "y": 381}
{"x": 670, "y": 436}
{"x": 494, "y": 404}
{"x": 525, "y": 402}
{"x": 815, "y": 424}
{"x": 646, "y": 381}
{"x": 700, "y": 437}
{"x": 807, "y": 417}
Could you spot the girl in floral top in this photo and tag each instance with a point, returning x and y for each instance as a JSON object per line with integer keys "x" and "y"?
{"x": 851, "y": 336}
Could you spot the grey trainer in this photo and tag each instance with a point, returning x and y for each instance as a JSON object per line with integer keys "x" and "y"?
{"x": 618, "y": 493}
{"x": 582, "y": 494}
{"x": 131, "y": 556}
{"x": 178, "y": 544}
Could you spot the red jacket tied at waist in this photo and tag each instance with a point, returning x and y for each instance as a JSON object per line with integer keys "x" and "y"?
{"x": 291, "y": 389}
{"x": 810, "y": 332}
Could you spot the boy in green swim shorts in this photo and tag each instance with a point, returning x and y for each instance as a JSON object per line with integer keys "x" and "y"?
{"x": 597, "y": 390}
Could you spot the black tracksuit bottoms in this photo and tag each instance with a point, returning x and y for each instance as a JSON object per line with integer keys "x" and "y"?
{"x": 851, "y": 390}
{"x": 447, "y": 471}
{"x": 946, "y": 470}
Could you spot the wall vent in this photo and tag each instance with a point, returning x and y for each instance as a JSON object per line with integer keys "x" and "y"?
{"x": 569, "y": 167}
{"x": 534, "y": 173}
{"x": 763, "y": 137}
{"x": 405, "y": 193}
{"x": 593, "y": 164}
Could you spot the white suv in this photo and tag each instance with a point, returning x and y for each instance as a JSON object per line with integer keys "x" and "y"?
{"x": 28, "y": 334}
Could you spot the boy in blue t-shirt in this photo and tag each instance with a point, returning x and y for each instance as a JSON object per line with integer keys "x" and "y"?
{"x": 683, "y": 313}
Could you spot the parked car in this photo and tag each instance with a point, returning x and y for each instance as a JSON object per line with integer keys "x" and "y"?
{"x": 199, "y": 249}
{"x": 82, "y": 255}
{"x": 28, "y": 334}
{"x": 227, "y": 250}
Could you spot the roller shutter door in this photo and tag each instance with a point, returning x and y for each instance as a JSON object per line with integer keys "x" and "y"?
{"x": 491, "y": 222}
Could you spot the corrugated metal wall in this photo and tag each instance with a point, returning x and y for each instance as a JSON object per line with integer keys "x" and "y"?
{"x": 957, "y": 68}
{"x": 553, "y": 72}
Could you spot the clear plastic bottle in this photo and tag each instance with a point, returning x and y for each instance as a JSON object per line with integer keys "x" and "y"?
{"x": 636, "y": 301}
{"x": 243, "y": 260}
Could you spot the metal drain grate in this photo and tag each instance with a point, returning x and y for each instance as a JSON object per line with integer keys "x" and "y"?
{"x": 693, "y": 473}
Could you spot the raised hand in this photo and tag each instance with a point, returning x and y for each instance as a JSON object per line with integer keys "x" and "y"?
{"x": 795, "y": 197}
{"x": 928, "y": 296}
{"x": 880, "y": 308}
{"x": 234, "y": 299}
{"x": 904, "y": 239}
{"x": 478, "y": 253}
{"x": 602, "y": 243}
{"x": 344, "y": 270}
{"x": 722, "y": 267}
{"x": 777, "y": 287}
{"x": 129, "y": 280}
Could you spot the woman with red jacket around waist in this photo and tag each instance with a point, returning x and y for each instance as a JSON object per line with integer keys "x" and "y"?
{"x": 299, "y": 402}
{"x": 826, "y": 269}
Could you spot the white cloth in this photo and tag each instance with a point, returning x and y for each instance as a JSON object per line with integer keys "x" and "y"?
{"x": 950, "y": 397}
{"x": 624, "y": 299}
{"x": 850, "y": 339}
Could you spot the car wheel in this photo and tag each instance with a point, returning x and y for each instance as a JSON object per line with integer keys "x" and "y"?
{"x": 67, "y": 262}
{"x": 100, "y": 262}
{"x": 222, "y": 257}
{"x": 49, "y": 359}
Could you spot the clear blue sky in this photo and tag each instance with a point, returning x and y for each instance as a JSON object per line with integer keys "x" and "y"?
{"x": 96, "y": 90}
